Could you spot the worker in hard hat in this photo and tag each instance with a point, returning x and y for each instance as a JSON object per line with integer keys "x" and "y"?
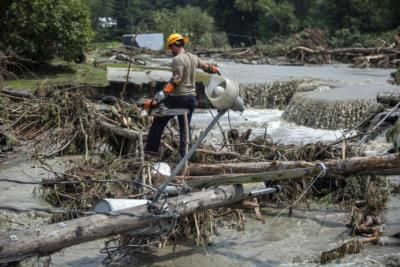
{"x": 179, "y": 92}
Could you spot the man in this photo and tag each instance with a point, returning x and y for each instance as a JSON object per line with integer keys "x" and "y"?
{"x": 179, "y": 92}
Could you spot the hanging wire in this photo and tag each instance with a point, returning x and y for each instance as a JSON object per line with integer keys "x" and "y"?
{"x": 319, "y": 175}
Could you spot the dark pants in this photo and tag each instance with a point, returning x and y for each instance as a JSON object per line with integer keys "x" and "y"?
{"x": 154, "y": 138}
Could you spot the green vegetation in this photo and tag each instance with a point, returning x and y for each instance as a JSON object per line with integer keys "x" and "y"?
{"x": 247, "y": 21}
{"x": 41, "y": 29}
{"x": 181, "y": 20}
{"x": 67, "y": 74}
{"x": 71, "y": 74}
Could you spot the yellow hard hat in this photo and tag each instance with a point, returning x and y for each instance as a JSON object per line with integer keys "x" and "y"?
{"x": 175, "y": 37}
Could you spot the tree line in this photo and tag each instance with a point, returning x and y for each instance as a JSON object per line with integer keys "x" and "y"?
{"x": 248, "y": 20}
{"x": 41, "y": 29}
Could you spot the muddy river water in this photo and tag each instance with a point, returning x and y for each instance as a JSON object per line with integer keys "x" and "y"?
{"x": 295, "y": 240}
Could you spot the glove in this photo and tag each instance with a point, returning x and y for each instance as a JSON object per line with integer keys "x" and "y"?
{"x": 169, "y": 88}
{"x": 160, "y": 97}
{"x": 149, "y": 104}
{"x": 212, "y": 69}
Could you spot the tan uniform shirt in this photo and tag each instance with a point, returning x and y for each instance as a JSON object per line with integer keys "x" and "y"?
{"x": 184, "y": 68}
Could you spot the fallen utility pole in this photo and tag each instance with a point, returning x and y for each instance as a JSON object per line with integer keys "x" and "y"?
{"x": 44, "y": 240}
{"x": 379, "y": 165}
{"x": 242, "y": 178}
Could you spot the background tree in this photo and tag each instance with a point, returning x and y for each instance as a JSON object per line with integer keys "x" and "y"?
{"x": 40, "y": 29}
{"x": 181, "y": 20}
{"x": 246, "y": 21}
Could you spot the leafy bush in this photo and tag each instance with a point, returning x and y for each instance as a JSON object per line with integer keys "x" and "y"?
{"x": 276, "y": 19}
{"x": 41, "y": 29}
{"x": 346, "y": 38}
{"x": 186, "y": 20}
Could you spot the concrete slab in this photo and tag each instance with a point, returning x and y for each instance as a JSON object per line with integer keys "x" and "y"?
{"x": 118, "y": 75}
{"x": 349, "y": 92}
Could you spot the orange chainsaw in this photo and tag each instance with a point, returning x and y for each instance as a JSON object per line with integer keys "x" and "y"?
{"x": 155, "y": 103}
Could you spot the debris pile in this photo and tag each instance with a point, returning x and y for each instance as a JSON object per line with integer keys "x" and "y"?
{"x": 67, "y": 123}
{"x": 111, "y": 137}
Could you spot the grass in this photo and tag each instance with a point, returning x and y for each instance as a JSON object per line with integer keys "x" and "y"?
{"x": 104, "y": 45}
{"x": 66, "y": 74}
{"x": 60, "y": 72}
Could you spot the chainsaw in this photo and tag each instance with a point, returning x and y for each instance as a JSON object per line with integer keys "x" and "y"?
{"x": 156, "y": 107}
{"x": 156, "y": 103}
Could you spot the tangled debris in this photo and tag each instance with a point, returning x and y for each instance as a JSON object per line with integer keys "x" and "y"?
{"x": 350, "y": 247}
{"x": 68, "y": 123}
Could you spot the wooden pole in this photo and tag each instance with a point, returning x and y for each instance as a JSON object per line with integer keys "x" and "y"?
{"x": 44, "y": 240}
{"x": 207, "y": 181}
{"x": 384, "y": 165}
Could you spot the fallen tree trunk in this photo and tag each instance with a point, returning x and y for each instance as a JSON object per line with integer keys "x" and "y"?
{"x": 17, "y": 245}
{"x": 20, "y": 94}
{"x": 119, "y": 131}
{"x": 357, "y": 165}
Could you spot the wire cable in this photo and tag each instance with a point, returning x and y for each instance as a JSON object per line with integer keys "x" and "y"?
{"x": 319, "y": 175}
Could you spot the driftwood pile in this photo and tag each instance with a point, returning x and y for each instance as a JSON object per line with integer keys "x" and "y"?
{"x": 312, "y": 47}
{"x": 361, "y": 57}
{"x": 67, "y": 123}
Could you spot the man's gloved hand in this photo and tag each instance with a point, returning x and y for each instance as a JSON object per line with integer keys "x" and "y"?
{"x": 169, "y": 88}
{"x": 160, "y": 97}
{"x": 213, "y": 69}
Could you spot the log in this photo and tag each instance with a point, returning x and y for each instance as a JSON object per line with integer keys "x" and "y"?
{"x": 388, "y": 164}
{"x": 20, "y": 94}
{"x": 44, "y": 240}
{"x": 390, "y": 99}
{"x": 119, "y": 131}
{"x": 207, "y": 181}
